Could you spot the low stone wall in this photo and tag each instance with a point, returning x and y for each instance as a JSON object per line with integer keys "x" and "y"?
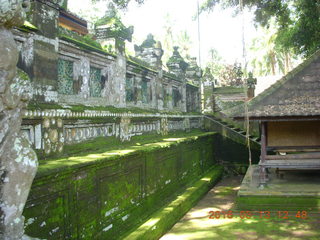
{"x": 101, "y": 196}
{"x": 51, "y": 130}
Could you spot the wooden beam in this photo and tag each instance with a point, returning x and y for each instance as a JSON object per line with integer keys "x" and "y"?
{"x": 315, "y": 155}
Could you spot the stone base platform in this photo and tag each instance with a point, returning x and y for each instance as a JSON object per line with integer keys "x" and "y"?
{"x": 287, "y": 190}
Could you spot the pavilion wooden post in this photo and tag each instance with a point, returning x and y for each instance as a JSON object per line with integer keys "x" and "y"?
{"x": 263, "y": 173}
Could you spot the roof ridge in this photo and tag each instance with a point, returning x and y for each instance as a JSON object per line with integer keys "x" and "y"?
{"x": 234, "y": 111}
{"x": 285, "y": 78}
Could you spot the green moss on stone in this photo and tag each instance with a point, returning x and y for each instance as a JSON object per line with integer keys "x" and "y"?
{"x": 228, "y": 90}
{"x": 22, "y": 75}
{"x": 111, "y": 148}
{"x": 162, "y": 220}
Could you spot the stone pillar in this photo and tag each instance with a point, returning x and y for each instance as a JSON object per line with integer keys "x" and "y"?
{"x": 164, "y": 128}
{"x": 117, "y": 82}
{"x": 115, "y": 93}
{"x": 81, "y": 73}
{"x": 186, "y": 124}
{"x": 153, "y": 86}
{"x": 138, "y": 90}
{"x": 159, "y": 90}
{"x": 170, "y": 100}
{"x": 40, "y": 51}
{"x": 18, "y": 162}
{"x": 125, "y": 133}
{"x": 183, "y": 91}
{"x": 209, "y": 105}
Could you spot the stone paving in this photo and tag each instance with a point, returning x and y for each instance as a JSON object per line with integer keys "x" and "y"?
{"x": 227, "y": 222}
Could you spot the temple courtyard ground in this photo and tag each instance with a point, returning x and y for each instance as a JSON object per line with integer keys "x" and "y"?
{"x": 216, "y": 216}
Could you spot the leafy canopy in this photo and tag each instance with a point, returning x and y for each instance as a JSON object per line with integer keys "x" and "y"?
{"x": 298, "y": 21}
{"x": 120, "y": 3}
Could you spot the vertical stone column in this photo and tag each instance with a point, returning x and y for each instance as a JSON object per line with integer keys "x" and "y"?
{"x": 153, "y": 84}
{"x": 186, "y": 124}
{"x": 81, "y": 70}
{"x": 138, "y": 90}
{"x": 44, "y": 66}
{"x": 120, "y": 80}
{"x": 159, "y": 90}
{"x": 164, "y": 127}
{"x": 117, "y": 78}
{"x": 170, "y": 100}
{"x": 114, "y": 90}
{"x": 183, "y": 92}
{"x": 18, "y": 162}
{"x": 125, "y": 131}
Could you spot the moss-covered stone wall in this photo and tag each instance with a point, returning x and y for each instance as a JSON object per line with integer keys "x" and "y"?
{"x": 231, "y": 149}
{"x": 101, "y": 196}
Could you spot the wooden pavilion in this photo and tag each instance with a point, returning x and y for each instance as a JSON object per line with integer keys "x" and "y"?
{"x": 289, "y": 117}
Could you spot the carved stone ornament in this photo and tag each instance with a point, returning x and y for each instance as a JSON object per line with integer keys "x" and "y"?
{"x": 18, "y": 162}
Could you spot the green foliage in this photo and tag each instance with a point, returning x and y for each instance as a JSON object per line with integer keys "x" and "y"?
{"x": 214, "y": 66}
{"x": 303, "y": 34}
{"x": 231, "y": 75}
{"x": 268, "y": 56}
{"x": 121, "y": 3}
{"x": 184, "y": 42}
{"x": 298, "y": 21}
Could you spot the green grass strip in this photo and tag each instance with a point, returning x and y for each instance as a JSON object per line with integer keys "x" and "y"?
{"x": 162, "y": 220}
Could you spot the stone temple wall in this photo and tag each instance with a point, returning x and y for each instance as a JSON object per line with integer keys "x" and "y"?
{"x": 81, "y": 92}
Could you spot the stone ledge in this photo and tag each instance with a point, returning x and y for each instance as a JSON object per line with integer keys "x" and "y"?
{"x": 161, "y": 221}
{"x": 66, "y": 164}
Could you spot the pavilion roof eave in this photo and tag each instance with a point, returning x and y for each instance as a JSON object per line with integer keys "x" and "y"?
{"x": 280, "y": 118}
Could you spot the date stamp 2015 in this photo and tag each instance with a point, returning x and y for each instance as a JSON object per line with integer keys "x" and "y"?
{"x": 258, "y": 214}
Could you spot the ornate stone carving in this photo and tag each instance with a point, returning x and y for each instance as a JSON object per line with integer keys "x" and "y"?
{"x": 150, "y": 51}
{"x": 176, "y": 63}
{"x": 125, "y": 133}
{"x": 18, "y": 161}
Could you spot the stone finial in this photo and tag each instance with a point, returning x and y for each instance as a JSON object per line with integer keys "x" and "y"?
{"x": 150, "y": 51}
{"x": 176, "y": 63}
{"x": 149, "y": 42}
{"x": 194, "y": 72}
{"x": 111, "y": 30}
{"x": 251, "y": 83}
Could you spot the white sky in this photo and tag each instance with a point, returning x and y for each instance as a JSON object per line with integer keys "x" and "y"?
{"x": 218, "y": 28}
